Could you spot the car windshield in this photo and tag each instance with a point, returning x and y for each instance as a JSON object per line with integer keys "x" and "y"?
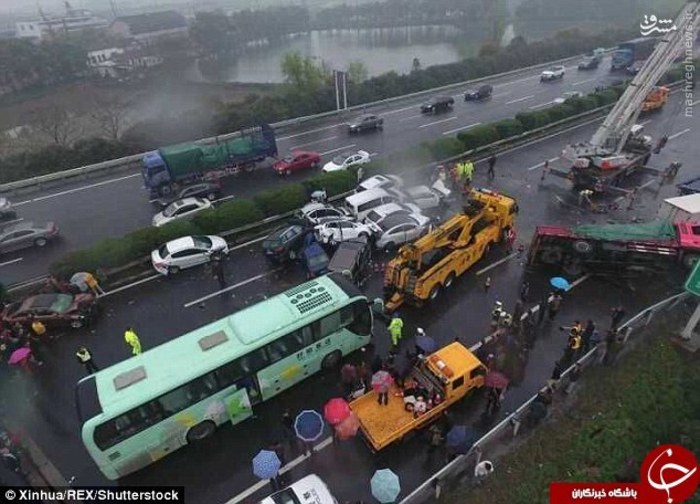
{"x": 339, "y": 160}
{"x": 172, "y": 208}
{"x": 202, "y": 241}
{"x": 61, "y": 303}
{"x": 163, "y": 251}
{"x": 288, "y": 159}
{"x": 317, "y": 261}
{"x": 373, "y": 216}
{"x": 286, "y": 496}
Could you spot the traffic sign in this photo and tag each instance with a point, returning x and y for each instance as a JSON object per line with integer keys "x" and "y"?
{"x": 692, "y": 284}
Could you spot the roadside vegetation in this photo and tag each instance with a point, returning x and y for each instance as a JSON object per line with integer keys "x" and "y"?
{"x": 620, "y": 413}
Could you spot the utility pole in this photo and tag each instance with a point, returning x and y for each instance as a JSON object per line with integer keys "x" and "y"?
{"x": 345, "y": 90}
{"x": 337, "y": 91}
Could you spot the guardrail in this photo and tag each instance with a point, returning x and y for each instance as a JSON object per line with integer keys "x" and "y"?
{"x": 452, "y": 473}
{"x": 133, "y": 162}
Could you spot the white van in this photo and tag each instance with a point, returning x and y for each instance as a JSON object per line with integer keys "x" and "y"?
{"x": 308, "y": 490}
{"x": 360, "y": 204}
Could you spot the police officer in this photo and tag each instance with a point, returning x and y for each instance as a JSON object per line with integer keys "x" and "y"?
{"x": 85, "y": 358}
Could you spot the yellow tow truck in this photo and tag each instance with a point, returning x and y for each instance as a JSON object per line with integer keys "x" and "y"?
{"x": 449, "y": 373}
{"x": 423, "y": 268}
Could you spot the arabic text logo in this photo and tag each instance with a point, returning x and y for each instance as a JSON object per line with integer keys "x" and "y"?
{"x": 673, "y": 470}
{"x": 652, "y": 24}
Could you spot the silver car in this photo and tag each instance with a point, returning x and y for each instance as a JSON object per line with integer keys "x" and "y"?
{"x": 26, "y": 235}
{"x": 397, "y": 229}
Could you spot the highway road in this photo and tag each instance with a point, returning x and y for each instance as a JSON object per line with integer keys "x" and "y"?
{"x": 219, "y": 469}
{"x": 114, "y": 205}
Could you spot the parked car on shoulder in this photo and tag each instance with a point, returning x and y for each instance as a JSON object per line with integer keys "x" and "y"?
{"x": 435, "y": 104}
{"x": 338, "y": 231}
{"x": 208, "y": 190}
{"x": 52, "y": 310}
{"x": 186, "y": 252}
{"x": 379, "y": 181}
{"x": 365, "y": 122}
{"x": 588, "y": 63}
{"x": 296, "y": 161}
{"x": 398, "y": 229}
{"x": 568, "y": 95}
{"x": 26, "y": 234}
{"x": 481, "y": 93}
{"x": 318, "y": 213}
{"x": 347, "y": 160}
{"x": 181, "y": 209}
{"x": 552, "y": 73}
{"x": 284, "y": 243}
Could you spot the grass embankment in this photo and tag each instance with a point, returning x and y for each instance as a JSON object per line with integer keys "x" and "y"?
{"x": 621, "y": 412}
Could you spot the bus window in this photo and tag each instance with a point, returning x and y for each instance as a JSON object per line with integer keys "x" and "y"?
{"x": 228, "y": 374}
{"x": 327, "y": 325}
{"x": 253, "y": 362}
{"x": 362, "y": 322}
{"x": 277, "y": 350}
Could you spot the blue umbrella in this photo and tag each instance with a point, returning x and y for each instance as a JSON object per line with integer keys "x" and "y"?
{"x": 426, "y": 343}
{"x": 385, "y": 486}
{"x": 308, "y": 425}
{"x": 460, "y": 439}
{"x": 560, "y": 283}
{"x": 266, "y": 464}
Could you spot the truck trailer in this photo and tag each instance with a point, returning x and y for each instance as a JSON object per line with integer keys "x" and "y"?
{"x": 633, "y": 50}
{"x": 169, "y": 169}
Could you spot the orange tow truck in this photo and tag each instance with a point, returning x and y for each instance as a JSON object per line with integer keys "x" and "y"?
{"x": 656, "y": 99}
{"x": 449, "y": 373}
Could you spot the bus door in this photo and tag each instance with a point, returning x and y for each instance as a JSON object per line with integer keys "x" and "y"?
{"x": 238, "y": 405}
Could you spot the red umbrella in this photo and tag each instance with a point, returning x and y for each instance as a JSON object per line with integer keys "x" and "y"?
{"x": 336, "y": 410}
{"x": 348, "y": 428}
{"x": 496, "y": 380}
{"x": 20, "y": 355}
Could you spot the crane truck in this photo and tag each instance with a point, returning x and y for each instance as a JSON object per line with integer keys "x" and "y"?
{"x": 170, "y": 169}
{"x": 422, "y": 269}
{"x": 614, "y": 152}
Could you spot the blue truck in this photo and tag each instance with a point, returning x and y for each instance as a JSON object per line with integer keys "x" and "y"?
{"x": 170, "y": 169}
{"x": 628, "y": 52}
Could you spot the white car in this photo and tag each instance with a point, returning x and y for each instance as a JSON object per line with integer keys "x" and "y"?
{"x": 377, "y": 215}
{"x": 397, "y": 229}
{"x": 380, "y": 181}
{"x": 425, "y": 197}
{"x": 345, "y": 161}
{"x": 566, "y": 96}
{"x": 309, "y": 490}
{"x": 553, "y": 73}
{"x": 185, "y": 208}
{"x": 318, "y": 213}
{"x": 342, "y": 230}
{"x": 186, "y": 252}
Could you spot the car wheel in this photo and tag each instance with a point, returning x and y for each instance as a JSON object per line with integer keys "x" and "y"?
{"x": 173, "y": 270}
{"x": 40, "y": 242}
{"x": 201, "y": 431}
{"x": 364, "y": 236}
{"x": 77, "y": 323}
{"x": 332, "y": 360}
{"x": 390, "y": 247}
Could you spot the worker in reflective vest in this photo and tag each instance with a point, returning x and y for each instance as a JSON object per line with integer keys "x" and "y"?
{"x": 85, "y": 358}
{"x": 132, "y": 340}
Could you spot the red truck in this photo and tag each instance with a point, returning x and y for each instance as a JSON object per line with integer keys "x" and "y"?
{"x": 616, "y": 249}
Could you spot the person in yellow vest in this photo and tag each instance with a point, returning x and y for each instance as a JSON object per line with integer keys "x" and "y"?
{"x": 94, "y": 286}
{"x": 132, "y": 340}
{"x": 395, "y": 329}
{"x": 38, "y": 327}
{"x": 85, "y": 358}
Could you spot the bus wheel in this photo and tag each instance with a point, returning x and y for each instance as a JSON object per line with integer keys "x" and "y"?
{"x": 332, "y": 360}
{"x": 201, "y": 431}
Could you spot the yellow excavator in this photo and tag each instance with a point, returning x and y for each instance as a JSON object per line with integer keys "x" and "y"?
{"x": 423, "y": 268}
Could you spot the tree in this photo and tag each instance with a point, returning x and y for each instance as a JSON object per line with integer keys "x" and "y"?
{"x": 56, "y": 123}
{"x": 303, "y": 73}
{"x": 357, "y": 72}
{"x": 213, "y": 32}
{"x": 109, "y": 112}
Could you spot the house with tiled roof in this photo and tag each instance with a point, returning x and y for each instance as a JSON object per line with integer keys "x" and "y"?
{"x": 147, "y": 28}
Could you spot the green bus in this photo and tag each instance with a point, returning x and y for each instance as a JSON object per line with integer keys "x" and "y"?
{"x": 139, "y": 410}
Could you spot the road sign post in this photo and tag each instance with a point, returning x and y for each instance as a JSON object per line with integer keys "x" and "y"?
{"x": 692, "y": 285}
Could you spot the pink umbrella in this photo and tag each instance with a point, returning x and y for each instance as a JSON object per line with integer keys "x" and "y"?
{"x": 381, "y": 380}
{"x": 496, "y": 380}
{"x": 348, "y": 428}
{"x": 20, "y": 355}
{"x": 336, "y": 410}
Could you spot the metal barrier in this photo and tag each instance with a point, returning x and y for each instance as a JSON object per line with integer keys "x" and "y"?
{"x": 453, "y": 472}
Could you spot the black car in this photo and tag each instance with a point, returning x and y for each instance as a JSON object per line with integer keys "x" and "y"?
{"x": 285, "y": 242}
{"x": 208, "y": 190}
{"x": 588, "y": 63}
{"x": 437, "y": 104}
{"x": 365, "y": 122}
{"x": 482, "y": 93}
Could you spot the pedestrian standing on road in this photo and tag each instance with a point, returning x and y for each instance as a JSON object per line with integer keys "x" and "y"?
{"x": 436, "y": 438}
{"x": 360, "y": 173}
{"x": 556, "y": 375}
{"x": 510, "y": 240}
{"x": 217, "y": 269}
{"x": 586, "y": 335}
{"x": 545, "y": 170}
{"x": 278, "y": 448}
{"x": 492, "y": 162}
{"x": 288, "y": 434}
{"x": 573, "y": 378}
{"x": 616, "y": 316}
{"x": 524, "y": 291}
{"x": 395, "y": 329}
{"x": 348, "y": 379}
{"x": 383, "y": 390}
{"x": 132, "y": 340}
{"x": 85, "y": 358}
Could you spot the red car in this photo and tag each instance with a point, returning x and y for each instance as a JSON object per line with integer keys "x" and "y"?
{"x": 297, "y": 160}
{"x": 53, "y": 310}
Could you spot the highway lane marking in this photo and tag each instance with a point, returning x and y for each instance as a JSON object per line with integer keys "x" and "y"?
{"x": 582, "y": 82}
{"x": 310, "y": 131}
{"x": 676, "y": 135}
{"x": 11, "y": 222}
{"x": 76, "y": 189}
{"x": 230, "y": 288}
{"x": 133, "y": 284}
{"x": 11, "y": 262}
{"x": 314, "y": 142}
{"x": 411, "y": 117}
{"x": 520, "y": 99}
{"x": 291, "y": 465}
{"x": 643, "y": 123}
{"x": 497, "y": 263}
{"x": 448, "y": 132}
{"x": 251, "y": 242}
{"x": 399, "y": 110}
{"x": 551, "y": 160}
{"x": 541, "y": 105}
{"x": 338, "y": 149}
{"x": 438, "y": 122}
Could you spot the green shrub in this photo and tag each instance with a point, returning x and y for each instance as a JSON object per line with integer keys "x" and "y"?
{"x": 604, "y": 97}
{"x": 334, "y": 182}
{"x": 445, "y": 147}
{"x": 582, "y": 104}
{"x": 236, "y": 213}
{"x": 528, "y": 120}
{"x": 559, "y": 112}
{"x": 478, "y": 136}
{"x": 175, "y": 229}
{"x": 206, "y": 221}
{"x": 279, "y": 201}
{"x": 376, "y": 167}
{"x": 143, "y": 240}
{"x": 508, "y": 128}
